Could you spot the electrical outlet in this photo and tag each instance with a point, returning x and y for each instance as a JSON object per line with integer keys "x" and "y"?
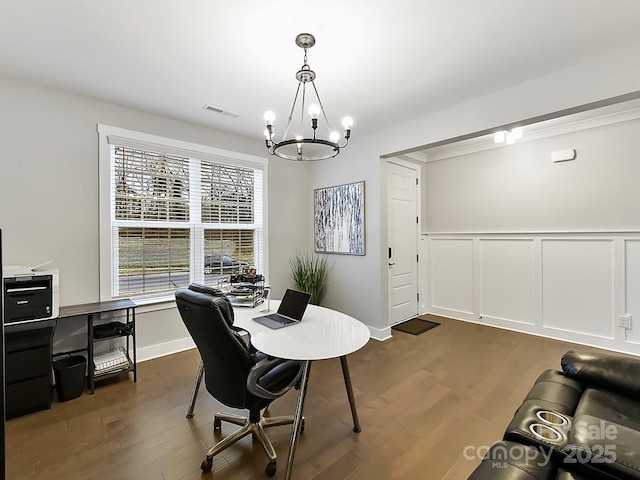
{"x": 624, "y": 321}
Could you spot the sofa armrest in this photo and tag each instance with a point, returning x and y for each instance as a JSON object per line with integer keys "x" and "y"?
{"x": 611, "y": 371}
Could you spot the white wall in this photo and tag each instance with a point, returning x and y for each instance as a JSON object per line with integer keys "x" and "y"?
{"x": 49, "y": 196}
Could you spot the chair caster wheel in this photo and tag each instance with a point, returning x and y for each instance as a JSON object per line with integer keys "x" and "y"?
{"x": 270, "y": 470}
{"x": 190, "y": 415}
{"x": 302, "y": 426}
{"x": 206, "y": 465}
{"x": 217, "y": 424}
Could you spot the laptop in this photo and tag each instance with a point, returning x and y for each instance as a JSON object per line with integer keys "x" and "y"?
{"x": 290, "y": 311}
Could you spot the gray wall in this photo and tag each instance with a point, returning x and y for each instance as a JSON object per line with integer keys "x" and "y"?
{"x": 49, "y": 176}
{"x": 519, "y": 189}
{"x": 359, "y": 284}
{"x": 49, "y": 192}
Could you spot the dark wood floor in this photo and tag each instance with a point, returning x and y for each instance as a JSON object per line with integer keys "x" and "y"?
{"x": 421, "y": 401}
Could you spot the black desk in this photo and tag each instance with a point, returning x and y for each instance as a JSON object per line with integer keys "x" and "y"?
{"x": 90, "y": 310}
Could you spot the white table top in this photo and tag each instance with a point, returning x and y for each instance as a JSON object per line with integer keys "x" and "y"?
{"x": 323, "y": 333}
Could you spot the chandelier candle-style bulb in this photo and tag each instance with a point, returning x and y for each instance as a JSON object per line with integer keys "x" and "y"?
{"x": 319, "y": 142}
{"x": 314, "y": 110}
{"x": 269, "y": 117}
{"x": 347, "y": 123}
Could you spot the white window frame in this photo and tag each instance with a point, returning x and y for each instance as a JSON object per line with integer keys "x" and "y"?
{"x": 109, "y": 135}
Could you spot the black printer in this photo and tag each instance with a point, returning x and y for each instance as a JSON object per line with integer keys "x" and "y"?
{"x": 29, "y": 295}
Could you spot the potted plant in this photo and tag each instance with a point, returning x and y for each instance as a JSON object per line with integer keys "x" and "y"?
{"x": 310, "y": 273}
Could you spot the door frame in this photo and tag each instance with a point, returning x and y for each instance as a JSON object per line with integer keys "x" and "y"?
{"x": 421, "y": 274}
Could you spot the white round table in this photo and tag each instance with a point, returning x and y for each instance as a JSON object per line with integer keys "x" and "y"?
{"x": 323, "y": 333}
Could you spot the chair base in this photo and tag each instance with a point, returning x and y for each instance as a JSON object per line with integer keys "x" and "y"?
{"x": 257, "y": 429}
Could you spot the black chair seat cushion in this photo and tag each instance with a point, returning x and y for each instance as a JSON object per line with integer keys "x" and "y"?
{"x": 554, "y": 391}
{"x": 279, "y": 376}
{"x": 569, "y": 475}
{"x": 513, "y": 461}
{"x": 607, "y": 423}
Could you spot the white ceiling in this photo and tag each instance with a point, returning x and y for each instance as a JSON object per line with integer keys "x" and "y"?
{"x": 380, "y": 62}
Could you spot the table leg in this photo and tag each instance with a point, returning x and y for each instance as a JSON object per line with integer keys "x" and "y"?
{"x": 133, "y": 340}
{"x": 297, "y": 419}
{"x": 352, "y": 401}
{"x": 90, "y": 353}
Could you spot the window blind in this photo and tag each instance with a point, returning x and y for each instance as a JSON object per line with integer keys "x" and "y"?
{"x": 150, "y": 186}
{"x": 176, "y": 219}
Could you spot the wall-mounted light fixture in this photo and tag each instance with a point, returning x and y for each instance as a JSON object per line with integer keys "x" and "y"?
{"x": 508, "y": 136}
{"x": 563, "y": 155}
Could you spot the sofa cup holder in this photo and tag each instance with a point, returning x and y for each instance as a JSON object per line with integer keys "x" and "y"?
{"x": 546, "y": 432}
{"x": 554, "y": 419}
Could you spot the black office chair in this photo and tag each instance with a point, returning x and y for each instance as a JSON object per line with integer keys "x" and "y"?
{"x": 235, "y": 374}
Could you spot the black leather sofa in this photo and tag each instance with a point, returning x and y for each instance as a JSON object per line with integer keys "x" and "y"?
{"x": 579, "y": 424}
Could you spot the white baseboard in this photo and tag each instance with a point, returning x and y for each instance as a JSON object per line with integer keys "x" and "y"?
{"x": 380, "y": 334}
{"x": 162, "y": 349}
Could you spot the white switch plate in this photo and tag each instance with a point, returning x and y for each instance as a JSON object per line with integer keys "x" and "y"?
{"x": 624, "y": 321}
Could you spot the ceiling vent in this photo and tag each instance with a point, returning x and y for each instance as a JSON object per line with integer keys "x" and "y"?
{"x": 221, "y": 111}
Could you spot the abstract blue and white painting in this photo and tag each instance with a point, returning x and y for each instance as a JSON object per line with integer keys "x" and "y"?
{"x": 339, "y": 219}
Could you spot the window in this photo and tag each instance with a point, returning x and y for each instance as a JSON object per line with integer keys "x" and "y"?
{"x": 174, "y": 213}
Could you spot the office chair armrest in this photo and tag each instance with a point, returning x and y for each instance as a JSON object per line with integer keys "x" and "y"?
{"x": 244, "y": 336}
{"x": 262, "y": 368}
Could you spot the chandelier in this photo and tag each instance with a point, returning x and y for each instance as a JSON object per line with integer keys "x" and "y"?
{"x": 301, "y": 144}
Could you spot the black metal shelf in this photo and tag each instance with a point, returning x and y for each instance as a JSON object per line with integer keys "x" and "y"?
{"x": 92, "y": 311}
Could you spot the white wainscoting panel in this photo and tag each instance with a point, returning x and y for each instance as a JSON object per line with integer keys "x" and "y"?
{"x": 506, "y": 279}
{"x": 632, "y": 289}
{"x": 571, "y": 286}
{"x": 577, "y": 286}
{"x": 452, "y": 274}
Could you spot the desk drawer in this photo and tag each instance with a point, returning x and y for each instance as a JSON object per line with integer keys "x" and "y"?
{"x": 28, "y": 396}
{"x": 25, "y": 364}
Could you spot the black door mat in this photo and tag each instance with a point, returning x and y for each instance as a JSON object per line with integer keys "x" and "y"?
{"x": 415, "y": 326}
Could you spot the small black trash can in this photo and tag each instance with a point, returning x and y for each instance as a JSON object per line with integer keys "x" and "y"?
{"x": 69, "y": 373}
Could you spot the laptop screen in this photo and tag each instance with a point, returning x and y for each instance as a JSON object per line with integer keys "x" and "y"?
{"x": 294, "y": 303}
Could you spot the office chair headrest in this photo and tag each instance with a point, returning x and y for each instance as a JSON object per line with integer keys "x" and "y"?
{"x": 216, "y": 293}
{"x": 197, "y": 287}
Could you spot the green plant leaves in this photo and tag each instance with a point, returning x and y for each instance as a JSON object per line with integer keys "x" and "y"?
{"x": 310, "y": 273}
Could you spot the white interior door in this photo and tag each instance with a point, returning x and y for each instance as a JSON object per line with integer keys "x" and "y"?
{"x": 402, "y": 194}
